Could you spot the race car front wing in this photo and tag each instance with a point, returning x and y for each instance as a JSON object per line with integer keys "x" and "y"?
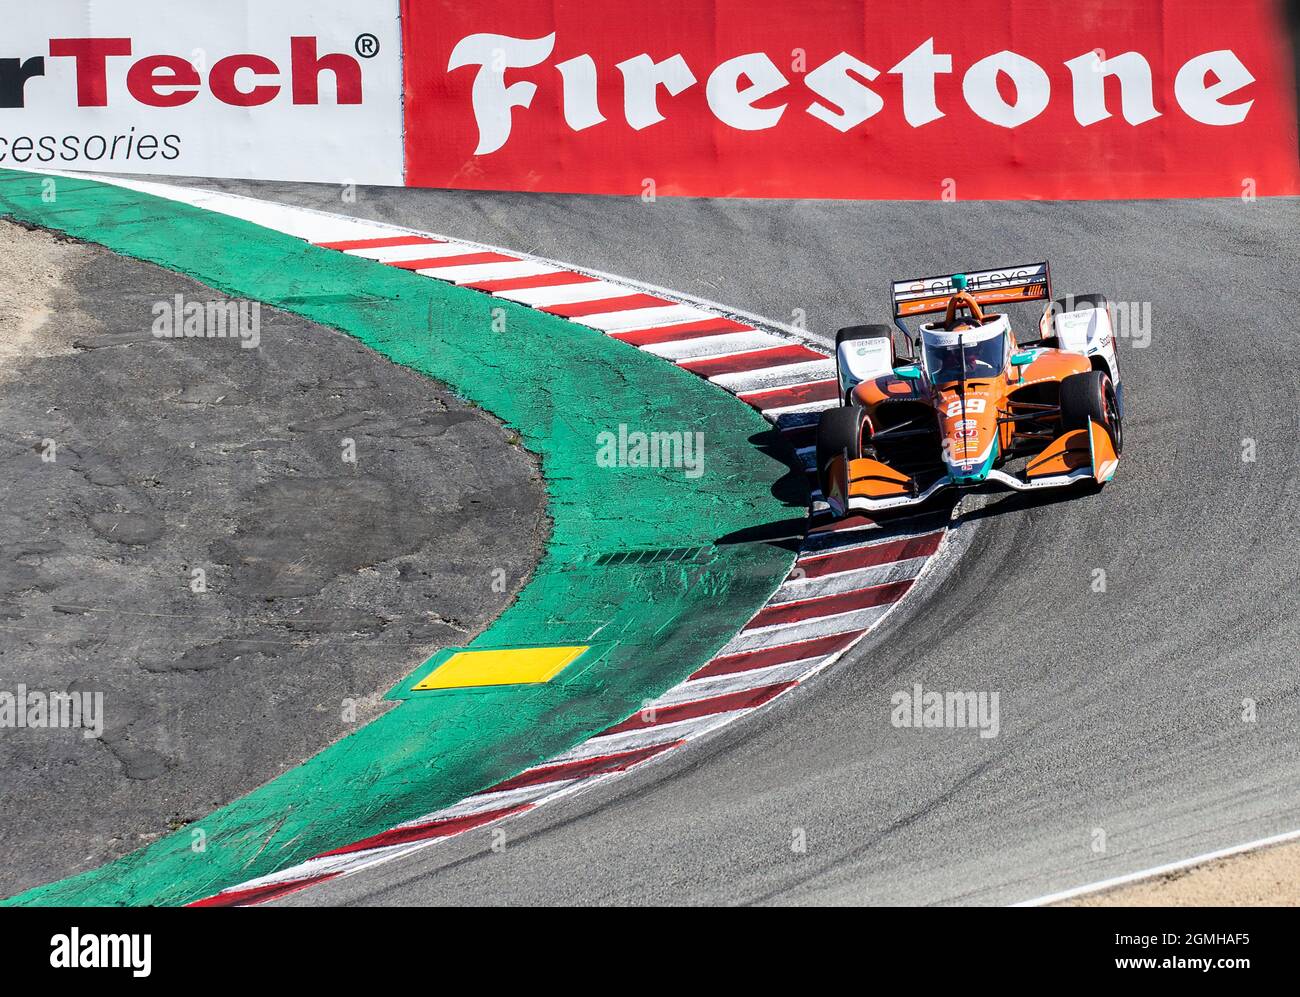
{"x": 1076, "y": 457}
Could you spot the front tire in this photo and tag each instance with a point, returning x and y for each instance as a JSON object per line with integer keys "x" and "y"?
{"x": 1091, "y": 396}
{"x": 840, "y": 430}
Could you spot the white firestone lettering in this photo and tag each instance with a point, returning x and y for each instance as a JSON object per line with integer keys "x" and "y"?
{"x": 580, "y": 107}
{"x": 856, "y": 101}
{"x": 980, "y": 88}
{"x": 1205, "y": 104}
{"x": 736, "y": 86}
{"x": 734, "y": 106}
{"x": 492, "y": 99}
{"x": 1134, "y": 74}
{"x": 918, "y": 71}
{"x": 642, "y": 77}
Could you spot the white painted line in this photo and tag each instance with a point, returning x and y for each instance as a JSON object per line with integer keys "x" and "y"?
{"x": 630, "y": 740}
{"x": 487, "y": 801}
{"x": 473, "y": 272}
{"x": 314, "y": 226}
{"x": 798, "y": 589}
{"x": 775, "y": 377}
{"x": 793, "y": 633}
{"x": 1160, "y": 870}
{"x": 394, "y": 254}
{"x": 711, "y": 346}
{"x": 694, "y": 690}
{"x": 839, "y": 541}
{"x": 774, "y": 413}
{"x": 641, "y": 318}
{"x": 565, "y": 294}
{"x": 322, "y": 866}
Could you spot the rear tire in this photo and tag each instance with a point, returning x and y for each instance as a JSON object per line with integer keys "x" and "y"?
{"x": 839, "y": 430}
{"x": 1091, "y": 396}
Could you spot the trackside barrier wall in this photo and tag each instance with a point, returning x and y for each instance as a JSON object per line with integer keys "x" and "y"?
{"x": 835, "y": 98}
{"x": 754, "y": 98}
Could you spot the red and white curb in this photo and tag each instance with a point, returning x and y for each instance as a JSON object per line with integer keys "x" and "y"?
{"x": 847, "y": 577}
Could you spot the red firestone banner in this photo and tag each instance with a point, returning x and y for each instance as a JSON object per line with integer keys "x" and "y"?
{"x": 923, "y": 99}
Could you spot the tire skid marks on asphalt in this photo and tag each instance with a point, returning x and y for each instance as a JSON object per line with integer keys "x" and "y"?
{"x": 847, "y": 576}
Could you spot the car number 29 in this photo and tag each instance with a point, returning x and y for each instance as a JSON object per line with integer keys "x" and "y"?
{"x": 972, "y": 405}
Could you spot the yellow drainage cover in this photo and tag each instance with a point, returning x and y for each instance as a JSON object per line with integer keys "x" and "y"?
{"x": 510, "y": 666}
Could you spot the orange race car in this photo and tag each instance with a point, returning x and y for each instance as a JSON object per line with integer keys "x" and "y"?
{"x": 970, "y": 407}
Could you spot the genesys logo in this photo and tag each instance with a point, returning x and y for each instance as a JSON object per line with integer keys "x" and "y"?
{"x": 158, "y": 79}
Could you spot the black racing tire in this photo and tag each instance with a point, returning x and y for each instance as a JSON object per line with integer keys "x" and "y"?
{"x": 1091, "y": 396}
{"x": 838, "y": 430}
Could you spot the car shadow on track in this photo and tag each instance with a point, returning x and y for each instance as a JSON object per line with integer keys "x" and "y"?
{"x": 1021, "y": 501}
{"x": 791, "y": 490}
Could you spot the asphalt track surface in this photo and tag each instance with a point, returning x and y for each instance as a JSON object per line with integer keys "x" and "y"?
{"x": 1122, "y": 741}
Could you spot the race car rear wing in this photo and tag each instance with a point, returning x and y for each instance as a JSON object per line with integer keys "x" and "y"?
{"x": 1003, "y": 285}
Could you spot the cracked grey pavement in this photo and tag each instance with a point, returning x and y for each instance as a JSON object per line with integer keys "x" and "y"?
{"x": 326, "y": 581}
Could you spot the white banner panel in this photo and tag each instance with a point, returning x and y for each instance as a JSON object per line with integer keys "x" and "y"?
{"x": 284, "y": 90}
